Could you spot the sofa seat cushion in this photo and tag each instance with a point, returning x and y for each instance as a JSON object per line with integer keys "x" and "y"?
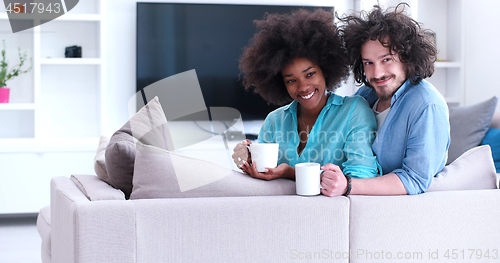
{"x": 160, "y": 173}
{"x": 43, "y": 225}
{"x": 473, "y": 170}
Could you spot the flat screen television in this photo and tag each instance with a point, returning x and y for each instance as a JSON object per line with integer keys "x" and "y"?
{"x": 176, "y": 37}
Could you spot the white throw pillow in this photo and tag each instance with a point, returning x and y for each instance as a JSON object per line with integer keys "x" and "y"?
{"x": 473, "y": 170}
{"x": 99, "y": 160}
{"x": 163, "y": 174}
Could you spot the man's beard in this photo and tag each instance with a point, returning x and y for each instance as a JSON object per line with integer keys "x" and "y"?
{"x": 383, "y": 97}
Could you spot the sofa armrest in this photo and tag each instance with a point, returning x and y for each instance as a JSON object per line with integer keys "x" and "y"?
{"x": 89, "y": 231}
{"x": 95, "y": 189}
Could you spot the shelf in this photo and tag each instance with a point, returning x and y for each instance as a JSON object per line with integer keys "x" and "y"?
{"x": 70, "y": 61}
{"x": 80, "y": 17}
{"x": 17, "y": 106}
{"x": 64, "y": 17}
{"x": 447, "y": 64}
{"x": 17, "y": 16}
{"x": 31, "y": 145}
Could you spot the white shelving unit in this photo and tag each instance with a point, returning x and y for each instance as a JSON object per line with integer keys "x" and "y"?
{"x": 46, "y": 84}
{"x": 51, "y": 126}
{"x": 445, "y": 18}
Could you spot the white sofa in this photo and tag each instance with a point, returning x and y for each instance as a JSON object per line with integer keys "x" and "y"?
{"x": 90, "y": 221}
{"x": 448, "y": 225}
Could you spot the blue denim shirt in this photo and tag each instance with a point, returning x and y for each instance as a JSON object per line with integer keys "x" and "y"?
{"x": 343, "y": 134}
{"x": 414, "y": 138}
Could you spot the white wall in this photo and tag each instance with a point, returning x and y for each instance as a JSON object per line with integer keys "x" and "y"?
{"x": 121, "y": 50}
{"x": 480, "y": 55}
{"x": 482, "y": 52}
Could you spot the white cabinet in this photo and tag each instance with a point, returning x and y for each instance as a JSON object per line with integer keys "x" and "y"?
{"x": 55, "y": 109}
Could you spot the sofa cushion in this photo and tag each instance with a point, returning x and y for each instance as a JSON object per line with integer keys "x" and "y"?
{"x": 148, "y": 126}
{"x": 243, "y": 229}
{"x": 468, "y": 125}
{"x": 160, "y": 173}
{"x": 95, "y": 189}
{"x": 472, "y": 170}
{"x": 119, "y": 159}
{"x": 492, "y": 138}
{"x": 424, "y": 228}
{"x": 43, "y": 226}
{"x": 99, "y": 160}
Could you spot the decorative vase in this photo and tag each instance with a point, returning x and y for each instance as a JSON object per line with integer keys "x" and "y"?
{"x": 4, "y": 95}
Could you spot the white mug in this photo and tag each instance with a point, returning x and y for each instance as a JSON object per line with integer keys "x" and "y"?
{"x": 265, "y": 155}
{"x": 307, "y": 178}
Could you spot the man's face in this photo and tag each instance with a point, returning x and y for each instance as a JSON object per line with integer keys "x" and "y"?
{"x": 383, "y": 70}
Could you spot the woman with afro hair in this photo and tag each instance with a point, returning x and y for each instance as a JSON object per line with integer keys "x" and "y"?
{"x": 298, "y": 59}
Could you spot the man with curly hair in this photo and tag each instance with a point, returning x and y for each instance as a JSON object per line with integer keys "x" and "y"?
{"x": 391, "y": 56}
{"x": 299, "y": 59}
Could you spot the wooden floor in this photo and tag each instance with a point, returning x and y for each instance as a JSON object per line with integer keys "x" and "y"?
{"x": 19, "y": 240}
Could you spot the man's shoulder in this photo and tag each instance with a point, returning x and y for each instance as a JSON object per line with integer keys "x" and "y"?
{"x": 425, "y": 93}
{"x": 368, "y": 94}
{"x": 363, "y": 91}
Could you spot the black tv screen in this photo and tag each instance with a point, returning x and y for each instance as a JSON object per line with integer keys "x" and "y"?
{"x": 176, "y": 37}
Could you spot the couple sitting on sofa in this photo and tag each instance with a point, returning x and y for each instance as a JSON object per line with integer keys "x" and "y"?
{"x": 300, "y": 57}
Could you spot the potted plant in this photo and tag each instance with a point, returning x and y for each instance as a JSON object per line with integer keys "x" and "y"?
{"x": 6, "y": 74}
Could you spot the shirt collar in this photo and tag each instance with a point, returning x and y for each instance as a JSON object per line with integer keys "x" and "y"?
{"x": 333, "y": 99}
{"x": 401, "y": 91}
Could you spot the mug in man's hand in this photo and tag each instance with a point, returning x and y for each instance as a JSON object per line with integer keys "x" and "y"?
{"x": 307, "y": 178}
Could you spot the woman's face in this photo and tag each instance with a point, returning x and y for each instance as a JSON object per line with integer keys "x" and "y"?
{"x": 305, "y": 83}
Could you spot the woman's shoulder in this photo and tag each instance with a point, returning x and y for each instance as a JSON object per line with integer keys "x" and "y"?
{"x": 281, "y": 111}
{"x": 355, "y": 102}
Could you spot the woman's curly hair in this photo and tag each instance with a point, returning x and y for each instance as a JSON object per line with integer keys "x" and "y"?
{"x": 284, "y": 37}
{"x": 405, "y": 37}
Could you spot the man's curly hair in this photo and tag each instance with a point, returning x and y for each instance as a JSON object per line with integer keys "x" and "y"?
{"x": 405, "y": 37}
{"x": 284, "y": 37}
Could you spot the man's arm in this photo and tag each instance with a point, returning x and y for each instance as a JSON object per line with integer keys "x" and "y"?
{"x": 426, "y": 149}
{"x": 388, "y": 184}
{"x": 425, "y": 153}
{"x": 334, "y": 183}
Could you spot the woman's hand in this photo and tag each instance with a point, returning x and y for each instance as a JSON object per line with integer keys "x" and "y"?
{"x": 282, "y": 171}
{"x": 333, "y": 181}
{"x": 241, "y": 154}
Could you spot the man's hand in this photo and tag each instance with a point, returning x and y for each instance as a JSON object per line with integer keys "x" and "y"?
{"x": 333, "y": 181}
